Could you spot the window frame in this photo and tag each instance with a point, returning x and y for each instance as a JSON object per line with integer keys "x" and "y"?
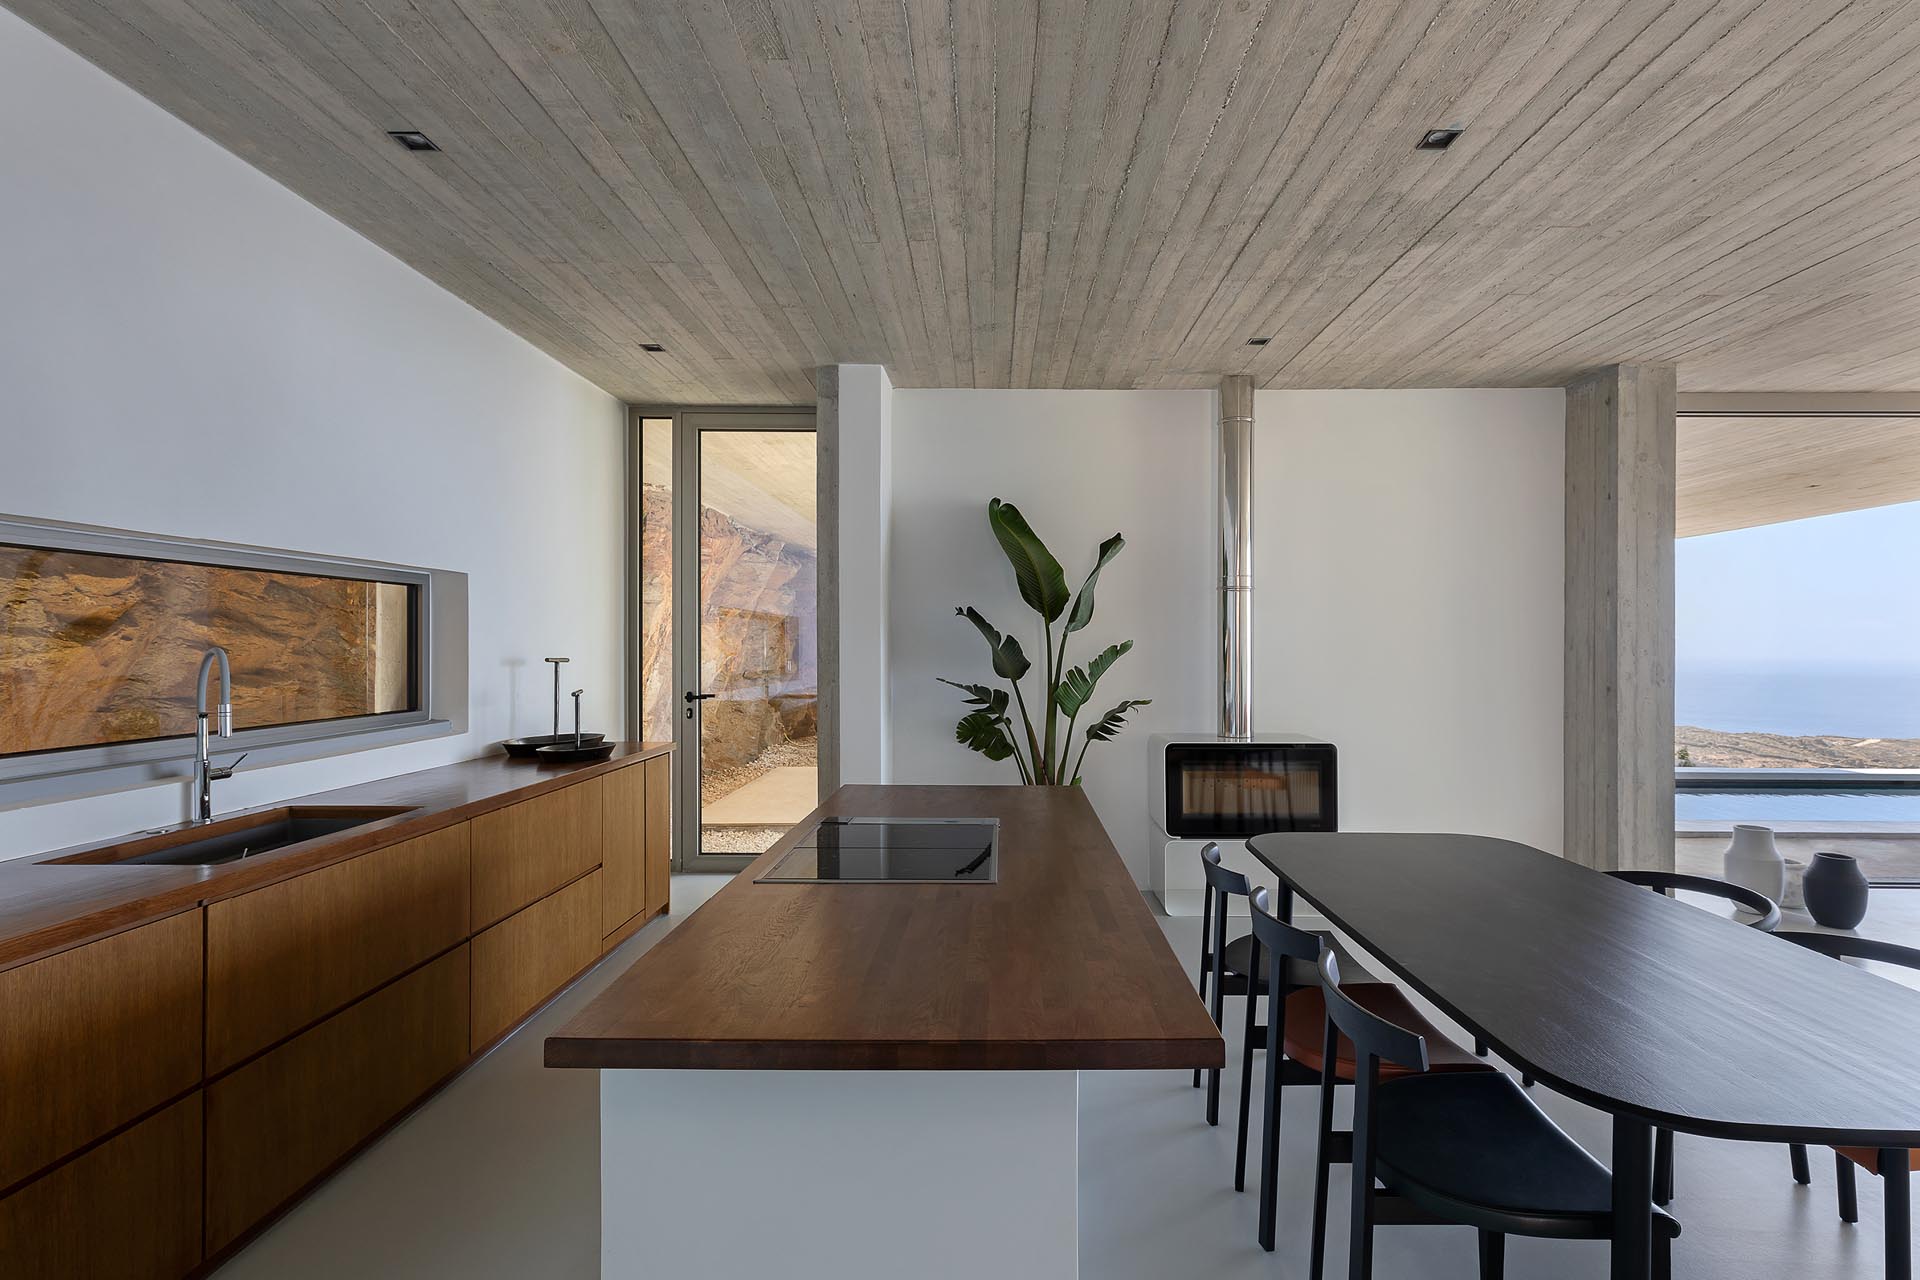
{"x": 64, "y": 771}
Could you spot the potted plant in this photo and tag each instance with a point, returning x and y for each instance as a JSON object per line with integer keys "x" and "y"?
{"x": 1040, "y": 751}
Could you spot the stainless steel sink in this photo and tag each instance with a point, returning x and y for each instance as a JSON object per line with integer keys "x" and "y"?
{"x": 231, "y": 840}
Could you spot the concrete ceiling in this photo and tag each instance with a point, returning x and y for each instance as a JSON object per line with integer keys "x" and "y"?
{"x": 1735, "y": 472}
{"x": 1098, "y": 192}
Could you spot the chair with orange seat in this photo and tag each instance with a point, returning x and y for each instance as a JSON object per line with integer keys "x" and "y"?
{"x": 1296, "y": 1035}
{"x": 1897, "y": 1170}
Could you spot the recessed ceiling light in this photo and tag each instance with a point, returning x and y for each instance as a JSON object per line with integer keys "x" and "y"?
{"x": 1258, "y": 342}
{"x": 412, "y": 139}
{"x": 652, "y": 346}
{"x": 1440, "y": 139}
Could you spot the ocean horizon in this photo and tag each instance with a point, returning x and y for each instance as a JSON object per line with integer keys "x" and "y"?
{"x": 1854, "y": 702}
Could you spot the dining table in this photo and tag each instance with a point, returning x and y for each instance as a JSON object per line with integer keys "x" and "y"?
{"x": 1635, "y": 1003}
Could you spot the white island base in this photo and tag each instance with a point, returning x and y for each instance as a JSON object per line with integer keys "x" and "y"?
{"x": 840, "y": 1175}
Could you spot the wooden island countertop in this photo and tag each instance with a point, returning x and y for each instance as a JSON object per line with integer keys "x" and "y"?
{"x": 1057, "y": 966}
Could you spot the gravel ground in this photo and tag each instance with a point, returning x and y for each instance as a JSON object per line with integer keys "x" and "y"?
{"x": 739, "y": 839}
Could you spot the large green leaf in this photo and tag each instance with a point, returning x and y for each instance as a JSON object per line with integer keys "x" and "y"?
{"x": 1108, "y": 726}
{"x": 1083, "y": 602}
{"x": 980, "y": 695}
{"x": 984, "y": 732}
{"x": 1009, "y": 659}
{"x": 1043, "y": 583}
{"x": 1076, "y": 687}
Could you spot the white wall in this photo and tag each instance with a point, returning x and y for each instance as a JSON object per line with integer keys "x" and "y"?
{"x": 1407, "y": 565}
{"x": 1408, "y": 600}
{"x": 1080, "y": 465}
{"x": 188, "y": 348}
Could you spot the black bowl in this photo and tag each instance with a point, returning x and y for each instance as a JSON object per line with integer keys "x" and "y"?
{"x": 565, "y": 752}
{"x": 524, "y": 748}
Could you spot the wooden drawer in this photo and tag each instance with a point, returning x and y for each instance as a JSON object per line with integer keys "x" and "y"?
{"x": 94, "y": 1036}
{"x": 527, "y": 957}
{"x": 127, "y": 1210}
{"x": 283, "y": 957}
{"x": 659, "y": 841}
{"x": 525, "y": 851}
{"x": 289, "y": 1116}
{"x": 623, "y": 880}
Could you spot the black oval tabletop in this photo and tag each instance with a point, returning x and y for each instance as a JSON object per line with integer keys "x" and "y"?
{"x": 1623, "y": 998}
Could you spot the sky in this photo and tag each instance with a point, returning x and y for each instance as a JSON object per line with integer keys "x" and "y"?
{"x": 1834, "y": 591}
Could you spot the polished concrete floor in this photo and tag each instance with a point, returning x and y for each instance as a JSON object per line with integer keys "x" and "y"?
{"x": 498, "y": 1177}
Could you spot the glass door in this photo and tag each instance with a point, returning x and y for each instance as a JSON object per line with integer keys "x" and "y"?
{"x": 746, "y": 639}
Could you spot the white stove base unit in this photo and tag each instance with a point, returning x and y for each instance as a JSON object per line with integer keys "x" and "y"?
{"x": 1177, "y": 881}
{"x": 839, "y": 1175}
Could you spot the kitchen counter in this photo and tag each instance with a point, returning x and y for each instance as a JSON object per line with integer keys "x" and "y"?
{"x": 1057, "y": 966}
{"x": 47, "y": 906}
{"x": 882, "y": 1071}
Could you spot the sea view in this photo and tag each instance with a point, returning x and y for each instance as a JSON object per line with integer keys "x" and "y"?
{"x": 1804, "y": 716}
{"x": 1854, "y": 702}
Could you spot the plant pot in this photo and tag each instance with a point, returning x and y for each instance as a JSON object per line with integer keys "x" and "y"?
{"x": 1752, "y": 861}
{"x": 1836, "y": 891}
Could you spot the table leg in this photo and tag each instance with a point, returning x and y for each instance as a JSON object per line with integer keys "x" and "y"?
{"x": 1632, "y": 1199}
{"x": 1895, "y": 1172}
{"x": 1283, "y": 903}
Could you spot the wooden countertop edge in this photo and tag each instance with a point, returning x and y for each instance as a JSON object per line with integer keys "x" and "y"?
{"x": 144, "y": 907}
{"x": 591, "y": 1053}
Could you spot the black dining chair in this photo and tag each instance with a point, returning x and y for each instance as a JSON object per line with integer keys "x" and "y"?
{"x": 1230, "y": 968}
{"x": 1243, "y": 968}
{"x": 1894, "y": 1167}
{"x": 1467, "y": 1148}
{"x": 1766, "y": 915}
{"x": 1295, "y": 1051}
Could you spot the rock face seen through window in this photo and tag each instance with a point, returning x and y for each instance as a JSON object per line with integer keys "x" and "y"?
{"x": 98, "y": 649}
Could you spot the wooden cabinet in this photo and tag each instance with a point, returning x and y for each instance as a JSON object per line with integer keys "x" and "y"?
{"x": 288, "y": 1117}
{"x": 209, "y": 1067}
{"x": 527, "y": 957}
{"x": 129, "y": 1209}
{"x": 525, "y": 851}
{"x": 94, "y": 1036}
{"x": 283, "y": 957}
{"x": 659, "y": 840}
{"x": 623, "y": 882}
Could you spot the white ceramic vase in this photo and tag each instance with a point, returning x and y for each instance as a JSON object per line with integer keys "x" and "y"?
{"x": 1754, "y": 863}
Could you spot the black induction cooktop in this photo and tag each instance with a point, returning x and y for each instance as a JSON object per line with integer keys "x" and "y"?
{"x": 892, "y": 850}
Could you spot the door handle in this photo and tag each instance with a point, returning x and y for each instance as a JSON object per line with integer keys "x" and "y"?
{"x": 692, "y": 698}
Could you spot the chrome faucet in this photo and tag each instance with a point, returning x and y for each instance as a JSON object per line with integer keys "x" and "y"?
{"x": 205, "y": 772}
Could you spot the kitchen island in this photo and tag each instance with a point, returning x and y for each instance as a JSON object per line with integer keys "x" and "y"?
{"x": 879, "y": 1079}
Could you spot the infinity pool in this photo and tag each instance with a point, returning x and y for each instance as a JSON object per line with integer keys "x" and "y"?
{"x": 1891, "y": 804}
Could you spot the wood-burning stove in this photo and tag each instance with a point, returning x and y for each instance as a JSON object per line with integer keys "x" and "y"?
{"x": 1206, "y": 787}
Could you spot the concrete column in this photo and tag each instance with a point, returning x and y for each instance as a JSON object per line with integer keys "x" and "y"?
{"x": 1619, "y": 618}
{"x": 854, "y": 413}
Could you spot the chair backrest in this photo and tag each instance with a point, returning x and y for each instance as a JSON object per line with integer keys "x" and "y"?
{"x": 1847, "y": 946}
{"x": 1766, "y": 911}
{"x": 1372, "y": 1035}
{"x": 1222, "y": 879}
{"x": 1278, "y": 936}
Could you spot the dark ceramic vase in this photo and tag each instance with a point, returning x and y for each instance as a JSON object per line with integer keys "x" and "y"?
{"x": 1836, "y": 891}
